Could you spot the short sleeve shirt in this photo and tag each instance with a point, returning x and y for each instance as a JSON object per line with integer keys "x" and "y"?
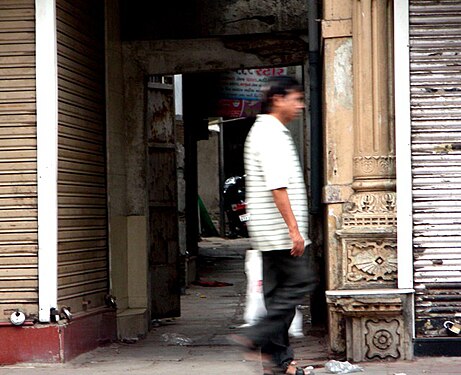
{"x": 272, "y": 162}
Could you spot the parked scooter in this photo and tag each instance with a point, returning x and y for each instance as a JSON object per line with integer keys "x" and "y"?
{"x": 235, "y": 206}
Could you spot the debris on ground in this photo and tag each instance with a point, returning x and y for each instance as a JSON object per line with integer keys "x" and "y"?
{"x": 337, "y": 367}
{"x": 176, "y": 339}
{"x": 211, "y": 284}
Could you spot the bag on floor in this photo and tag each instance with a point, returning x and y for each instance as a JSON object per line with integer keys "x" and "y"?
{"x": 255, "y": 308}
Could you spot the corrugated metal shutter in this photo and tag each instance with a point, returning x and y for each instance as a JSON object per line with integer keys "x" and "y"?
{"x": 435, "y": 51}
{"x": 83, "y": 247}
{"x": 18, "y": 159}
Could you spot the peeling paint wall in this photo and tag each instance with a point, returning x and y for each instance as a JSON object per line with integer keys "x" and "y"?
{"x": 338, "y": 140}
{"x": 343, "y": 75}
{"x": 208, "y": 18}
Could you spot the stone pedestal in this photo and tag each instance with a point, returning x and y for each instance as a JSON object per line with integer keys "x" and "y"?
{"x": 377, "y": 325}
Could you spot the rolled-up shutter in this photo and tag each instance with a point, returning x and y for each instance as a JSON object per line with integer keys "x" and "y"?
{"x": 82, "y": 235}
{"x": 435, "y": 52}
{"x": 18, "y": 159}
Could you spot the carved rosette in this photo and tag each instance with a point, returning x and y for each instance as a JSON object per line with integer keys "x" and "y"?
{"x": 383, "y": 338}
{"x": 371, "y": 261}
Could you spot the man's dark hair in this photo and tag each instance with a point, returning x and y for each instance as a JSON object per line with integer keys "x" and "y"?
{"x": 279, "y": 85}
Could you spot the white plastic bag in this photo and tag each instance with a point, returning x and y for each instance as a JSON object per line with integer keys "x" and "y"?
{"x": 296, "y": 327}
{"x": 255, "y": 308}
{"x": 337, "y": 367}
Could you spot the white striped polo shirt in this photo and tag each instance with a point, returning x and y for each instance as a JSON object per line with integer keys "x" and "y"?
{"x": 272, "y": 162}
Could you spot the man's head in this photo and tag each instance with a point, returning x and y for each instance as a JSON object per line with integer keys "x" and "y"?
{"x": 283, "y": 98}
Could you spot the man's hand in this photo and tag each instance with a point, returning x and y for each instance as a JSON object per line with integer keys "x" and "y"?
{"x": 298, "y": 244}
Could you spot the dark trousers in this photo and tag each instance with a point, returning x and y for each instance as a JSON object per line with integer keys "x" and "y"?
{"x": 286, "y": 282}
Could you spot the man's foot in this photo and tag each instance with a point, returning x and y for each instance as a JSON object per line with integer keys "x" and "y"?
{"x": 291, "y": 368}
{"x": 242, "y": 341}
{"x": 252, "y": 353}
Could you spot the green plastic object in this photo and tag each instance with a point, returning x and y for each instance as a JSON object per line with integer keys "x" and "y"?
{"x": 208, "y": 228}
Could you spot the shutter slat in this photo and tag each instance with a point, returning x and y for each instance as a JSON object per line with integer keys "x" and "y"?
{"x": 435, "y": 66}
{"x": 82, "y": 204}
{"x": 18, "y": 156}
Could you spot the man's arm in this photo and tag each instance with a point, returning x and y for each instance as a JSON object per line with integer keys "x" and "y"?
{"x": 284, "y": 206}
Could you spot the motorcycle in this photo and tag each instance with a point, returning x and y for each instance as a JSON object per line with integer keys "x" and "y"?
{"x": 235, "y": 206}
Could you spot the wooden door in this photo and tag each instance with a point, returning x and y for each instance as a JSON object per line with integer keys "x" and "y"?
{"x": 162, "y": 192}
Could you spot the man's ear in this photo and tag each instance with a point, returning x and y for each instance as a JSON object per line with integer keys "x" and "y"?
{"x": 276, "y": 99}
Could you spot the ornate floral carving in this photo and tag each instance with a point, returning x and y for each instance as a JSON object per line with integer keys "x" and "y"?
{"x": 371, "y": 261}
{"x": 372, "y": 202}
{"x": 382, "y": 338}
{"x": 389, "y": 201}
{"x": 375, "y": 165}
{"x": 371, "y": 209}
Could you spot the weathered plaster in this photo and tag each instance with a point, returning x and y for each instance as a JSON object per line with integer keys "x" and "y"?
{"x": 338, "y": 111}
{"x": 134, "y": 81}
{"x": 224, "y": 17}
{"x": 126, "y": 234}
{"x": 339, "y": 149}
{"x": 335, "y": 321}
{"x": 214, "y": 54}
{"x": 207, "y": 18}
{"x": 116, "y": 159}
{"x": 333, "y": 262}
{"x": 343, "y": 75}
{"x": 337, "y": 9}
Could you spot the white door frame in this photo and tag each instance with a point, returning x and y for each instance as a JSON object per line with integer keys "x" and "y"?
{"x": 47, "y": 154}
{"x": 403, "y": 143}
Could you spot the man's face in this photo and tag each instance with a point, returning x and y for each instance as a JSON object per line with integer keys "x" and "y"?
{"x": 290, "y": 106}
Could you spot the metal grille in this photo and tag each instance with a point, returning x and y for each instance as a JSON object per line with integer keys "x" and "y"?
{"x": 18, "y": 159}
{"x": 435, "y": 52}
{"x": 82, "y": 248}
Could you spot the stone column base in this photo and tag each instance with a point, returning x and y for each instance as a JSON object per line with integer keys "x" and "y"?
{"x": 378, "y": 322}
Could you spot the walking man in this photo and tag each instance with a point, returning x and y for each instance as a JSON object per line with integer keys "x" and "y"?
{"x": 277, "y": 204}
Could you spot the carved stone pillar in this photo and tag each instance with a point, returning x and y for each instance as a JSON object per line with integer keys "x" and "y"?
{"x": 367, "y": 233}
{"x": 374, "y": 156}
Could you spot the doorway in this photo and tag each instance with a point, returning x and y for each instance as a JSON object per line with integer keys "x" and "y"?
{"x": 201, "y": 92}
{"x": 230, "y": 102}
{"x": 157, "y": 39}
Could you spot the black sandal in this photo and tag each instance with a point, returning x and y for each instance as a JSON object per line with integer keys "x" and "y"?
{"x": 298, "y": 370}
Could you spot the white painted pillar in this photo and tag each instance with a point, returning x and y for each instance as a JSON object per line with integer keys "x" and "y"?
{"x": 403, "y": 144}
{"x": 178, "y": 95}
{"x": 47, "y": 154}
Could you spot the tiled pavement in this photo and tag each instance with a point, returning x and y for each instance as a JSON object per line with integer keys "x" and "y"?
{"x": 209, "y": 314}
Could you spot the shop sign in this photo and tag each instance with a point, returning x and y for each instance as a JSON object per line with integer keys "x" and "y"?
{"x": 240, "y": 91}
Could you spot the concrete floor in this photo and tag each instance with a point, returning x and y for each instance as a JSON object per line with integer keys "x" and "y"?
{"x": 195, "y": 343}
